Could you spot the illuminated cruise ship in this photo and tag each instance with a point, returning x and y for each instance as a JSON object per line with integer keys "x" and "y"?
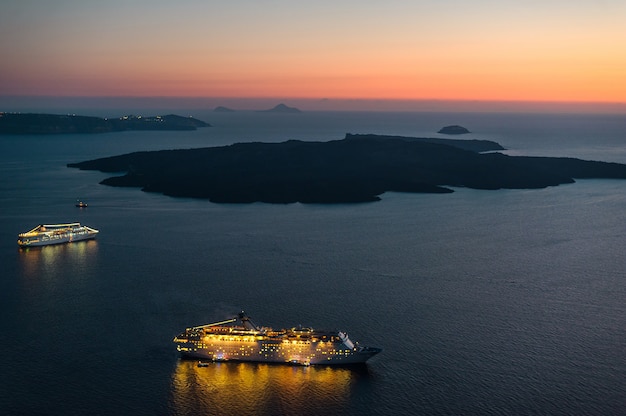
{"x": 239, "y": 339}
{"x": 46, "y": 234}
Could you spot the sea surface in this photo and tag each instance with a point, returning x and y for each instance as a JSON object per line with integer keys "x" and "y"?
{"x": 484, "y": 302}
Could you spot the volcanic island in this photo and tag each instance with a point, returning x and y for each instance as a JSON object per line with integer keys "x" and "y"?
{"x": 357, "y": 168}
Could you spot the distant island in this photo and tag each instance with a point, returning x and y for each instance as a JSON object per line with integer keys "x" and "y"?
{"x": 453, "y": 130}
{"x": 33, "y": 123}
{"x": 222, "y": 109}
{"x": 281, "y": 108}
{"x": 358, "y": 168}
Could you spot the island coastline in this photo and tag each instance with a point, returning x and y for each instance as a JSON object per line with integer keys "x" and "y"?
{"x": 358, "y": 168}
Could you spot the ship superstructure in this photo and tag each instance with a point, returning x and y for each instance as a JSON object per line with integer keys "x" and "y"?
{"x": 239, "y": 339}
{"x": 46, "y": 234}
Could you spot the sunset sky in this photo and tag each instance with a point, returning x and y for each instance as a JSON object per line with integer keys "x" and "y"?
{"x": 532, "y": 50}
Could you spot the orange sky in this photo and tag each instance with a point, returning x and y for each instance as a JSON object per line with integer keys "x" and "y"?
{"x": 480, "y": 50}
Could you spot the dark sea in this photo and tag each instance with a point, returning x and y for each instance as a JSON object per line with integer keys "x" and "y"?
{"x": 509, "y": 302}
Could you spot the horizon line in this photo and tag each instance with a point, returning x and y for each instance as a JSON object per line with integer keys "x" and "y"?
{"x": 311, "y": 103}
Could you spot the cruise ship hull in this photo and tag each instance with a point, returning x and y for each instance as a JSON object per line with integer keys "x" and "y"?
{"x": 45, "y": 235}
{"x": 215, "y": 342}
{"x": 283, "y": 354}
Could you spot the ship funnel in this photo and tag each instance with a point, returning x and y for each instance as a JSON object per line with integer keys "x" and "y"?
{"x": 346, "y": 341}
{"x": 247, "y": 322}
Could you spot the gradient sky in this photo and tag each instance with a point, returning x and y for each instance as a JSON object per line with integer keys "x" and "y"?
{"x": 545, "y": 50}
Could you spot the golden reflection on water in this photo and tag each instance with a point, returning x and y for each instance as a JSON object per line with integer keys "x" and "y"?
{"x": 39, "y": 261}
{"x": 257, "y": 388}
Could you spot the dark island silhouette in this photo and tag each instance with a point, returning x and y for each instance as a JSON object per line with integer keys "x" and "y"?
{"x": 454, "y": 129}
{"x": 358, "y": 168}
{"x": 34, "y": 123}
{"x": 222, "y": 109}
{"x": 281, "y": 108}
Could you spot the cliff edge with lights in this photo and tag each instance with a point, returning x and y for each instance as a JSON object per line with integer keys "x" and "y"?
{"x": 35, "y": 123}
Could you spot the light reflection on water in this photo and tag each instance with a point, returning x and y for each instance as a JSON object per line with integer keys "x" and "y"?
{"x": 55, "y": 257}
{"x": 55, "y": 266}
{"x": 257, "y": 388}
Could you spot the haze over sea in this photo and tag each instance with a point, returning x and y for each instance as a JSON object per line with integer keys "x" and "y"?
{"x": 485, "y": 302}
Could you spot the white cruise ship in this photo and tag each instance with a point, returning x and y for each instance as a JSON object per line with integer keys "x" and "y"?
{"x": 228, "y": 341}
{"x": 46, "y": 234}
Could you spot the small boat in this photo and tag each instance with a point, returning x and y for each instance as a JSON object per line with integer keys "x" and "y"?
{"x": 47, "y": 234}
{"x": 81, "y": 204}
{"x": 201, "y": 364}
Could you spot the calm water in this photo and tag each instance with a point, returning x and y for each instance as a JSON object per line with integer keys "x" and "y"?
{"x": 485, "y": 302}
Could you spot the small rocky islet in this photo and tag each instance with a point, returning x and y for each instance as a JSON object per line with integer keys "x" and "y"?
{"x": 453, "y": 129}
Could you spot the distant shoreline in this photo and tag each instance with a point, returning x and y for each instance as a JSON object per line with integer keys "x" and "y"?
{"x": 42, "y": 123}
